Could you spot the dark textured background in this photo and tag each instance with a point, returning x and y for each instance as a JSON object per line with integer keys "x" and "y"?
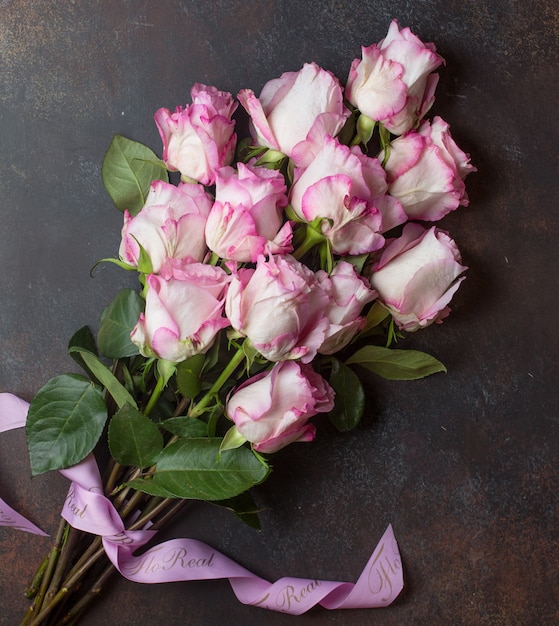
{"x": 465, "y": 465}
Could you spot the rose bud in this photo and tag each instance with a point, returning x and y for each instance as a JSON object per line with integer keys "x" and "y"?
{"x": 169, "y": 227}
{"x": 348, "y": 293}
{"x": 344, "y": 186}
{"x": 280, "y": 307}
{"x": 271, "y": 410}
{"x": 426, "y": 171}
{"x": 393, "y": 83}
{"x": 290, "y": 106}
{"x": 183, "y": 313}
{"x": 247, "y": 216}
{"x": 199, "y": 138}
{"x": 417, "y": 275}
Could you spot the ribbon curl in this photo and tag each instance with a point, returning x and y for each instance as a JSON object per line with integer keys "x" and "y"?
{"x": 87, "y": 509}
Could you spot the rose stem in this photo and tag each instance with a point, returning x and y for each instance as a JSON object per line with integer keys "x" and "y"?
{"x": 74, "y": 614}
{"x": 78, "y": 609}
{"x": 49, "y": 570}
{"x": 235, "y": 361}
{"x": 84, "y": 564}
{"x": 33, "y": 587}
{"x": 67, "y": 551}
{"x": 113, "y": 476}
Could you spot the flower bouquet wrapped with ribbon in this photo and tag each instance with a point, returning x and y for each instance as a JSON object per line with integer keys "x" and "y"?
{"x": 271, "y": 271}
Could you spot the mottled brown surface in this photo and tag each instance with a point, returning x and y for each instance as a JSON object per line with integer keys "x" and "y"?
{"x": 464, "y": 465}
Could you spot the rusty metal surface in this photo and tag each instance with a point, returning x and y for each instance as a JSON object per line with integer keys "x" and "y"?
{"x": 464, "y": 465}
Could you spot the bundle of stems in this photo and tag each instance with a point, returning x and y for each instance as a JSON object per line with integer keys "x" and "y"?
{"x": 76, "y": 569}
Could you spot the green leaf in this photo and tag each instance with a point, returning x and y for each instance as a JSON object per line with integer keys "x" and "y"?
{"x": 188, "y": 375}
{"x": 185, "y": 427}
{"x": 102, "y": 373}
{"x": 190, "y": 468}
{"x": 117, "y": 322}
{"x": 244, "y": 507}
{"x": 128, "y": 170}
{"x": 350, "y": 397}
{"x": 149, "y": 487}
{"x": 133, "y": 438}
{"x": 65, "y": 420}
{"x": 82, "y": 339}
{"x": 396, "y": 364}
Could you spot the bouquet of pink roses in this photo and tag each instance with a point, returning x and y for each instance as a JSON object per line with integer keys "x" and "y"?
{"x": 271, "y": 270}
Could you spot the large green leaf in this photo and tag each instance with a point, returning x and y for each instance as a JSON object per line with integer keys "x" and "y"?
{"x": 396, "y": 364}
{"x": 66, "y": 418}
{"x": 192, "y": 469}
{"x": 350, "y": 397}
{"x": 128, "y": 170}
{"x": 117, "y": 322}
{"x": 133, "y": 438}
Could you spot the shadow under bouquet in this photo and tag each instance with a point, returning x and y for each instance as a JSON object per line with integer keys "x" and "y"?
{"x": 272, "y": 271}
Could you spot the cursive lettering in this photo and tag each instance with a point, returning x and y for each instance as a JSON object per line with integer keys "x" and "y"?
{"x": 381, "y": 572}
{"x": 291, "y": 594}
{"x": 177, "y": 558}
{"x": 122, "y": 538}
{"x": 72, "y": 506}
{"x": 7, "y": 520}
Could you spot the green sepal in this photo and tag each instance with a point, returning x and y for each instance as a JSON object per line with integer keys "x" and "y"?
{"x": 246, "y": 151}
{"x": 271, "y": 159}
{"x": 128, "y": 170}
{"x": 133, "y": 438}
{"x": 65, "y": 420}
{"x": 232, "y": 440}
{"x": 350, "y": 397}
{"x": 365, "y": 128}
{"x": 347, "y": 132}
{"x": 396, "y": 364}
{"x": 375, "y": 316}
{"x": 145, "y": 265}
{"x": 117, "y": 262}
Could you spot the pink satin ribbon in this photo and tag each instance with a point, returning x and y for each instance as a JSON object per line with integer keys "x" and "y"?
{"x": 86, "y": 508}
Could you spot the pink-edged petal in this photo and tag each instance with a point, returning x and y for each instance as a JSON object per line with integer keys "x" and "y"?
{"x": 404, "y": 154}
{"x": 304, "y": 434}
{"x": 260, "y": 124}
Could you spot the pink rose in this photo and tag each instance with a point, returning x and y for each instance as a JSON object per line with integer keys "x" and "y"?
{"x": 426, "y": 171}
{"x": 183, "y": 313}
{"x": 345, "y": 187}
{"x": 272, "y": 409}
{"x": 280, "y": 307}
{"x": 290, "y": 106}
{"x": 348, "y": 293}
{"x": 170, "y": 226}
{"x": 417, "y": 275}
{"x": 199, "y": 138}
{"x": 393, "y": 83}
{"x": 246, "y": 219}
